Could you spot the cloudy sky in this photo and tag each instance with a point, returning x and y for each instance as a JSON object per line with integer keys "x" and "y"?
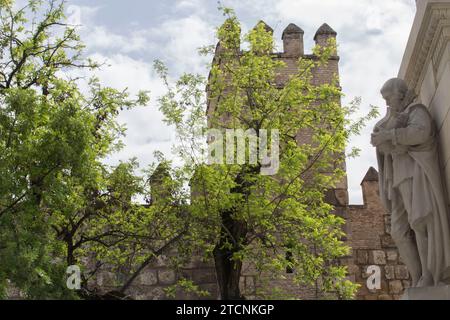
{"x": 130, "y": 35}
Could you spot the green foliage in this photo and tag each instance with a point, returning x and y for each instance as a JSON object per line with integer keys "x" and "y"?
{"x": 58, "y": 201}
{"x": 187, "y": 286}
{"x": 61, "y": 205}
{"x": 287, "y": 210}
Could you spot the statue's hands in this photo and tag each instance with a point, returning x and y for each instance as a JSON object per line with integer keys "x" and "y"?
{"x": 380, "y": 137}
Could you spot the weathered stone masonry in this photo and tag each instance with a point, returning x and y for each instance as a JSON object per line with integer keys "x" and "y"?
{"x": 367, "y": 225}
{"x": 368, "y": 229}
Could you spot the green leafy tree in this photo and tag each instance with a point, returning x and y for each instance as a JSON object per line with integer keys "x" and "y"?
{"x": 236, "y": 214}
{"x": 59, "y": 203}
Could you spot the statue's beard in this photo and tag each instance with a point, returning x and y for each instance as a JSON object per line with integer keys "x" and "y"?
{"x": 409, "y": 98}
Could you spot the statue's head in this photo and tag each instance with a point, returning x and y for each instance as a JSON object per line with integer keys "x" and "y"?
{"x": 395, "y": 92}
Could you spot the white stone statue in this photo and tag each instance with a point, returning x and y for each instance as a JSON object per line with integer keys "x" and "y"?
{"x": 411, "y": 188}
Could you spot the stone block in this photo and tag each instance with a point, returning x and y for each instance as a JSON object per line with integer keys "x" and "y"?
{"x": 377, "y": 257}
{"x": 401, "y": 272}
{"x": 395, "y": 287}
{"x": 384, "y": 297}
{"x": 198, "y": 262}
{"x": 106, "y": 278}
{"x": 136, "y": 292}
{"x": 166, "y": 276}
{"x": 362, "y": 257}
{"x": 392, "y": 256}
{"x": 204, "y": 276}
{"x": 148, "y": 278}
{"x": 161, "y": 261}
{"x": 389, "y": 272}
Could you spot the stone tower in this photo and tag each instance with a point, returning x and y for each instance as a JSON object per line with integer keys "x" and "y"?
{"x": 293, "y": 49}
{"x": 366, "y": 228}
{"x": 367, "y": 225}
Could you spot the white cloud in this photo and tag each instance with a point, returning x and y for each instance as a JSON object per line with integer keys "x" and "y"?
{"x": 81, "y": 15}
{"x": 174, "y": 41}
{"x": 100, "y": 38}
{"x": 146, "y": 131}
{"x": 181, "y": 39}
{"x": 189, "y": 4}
{"x": 372, "y": 35}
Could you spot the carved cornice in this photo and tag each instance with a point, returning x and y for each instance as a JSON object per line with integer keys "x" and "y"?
{"x": 430, "y": 44}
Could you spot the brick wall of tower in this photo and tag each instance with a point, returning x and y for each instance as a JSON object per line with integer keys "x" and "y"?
{"x": 367, "y": 230}
{"x": 251, "y": 281}
{"x": 367, "y": 226}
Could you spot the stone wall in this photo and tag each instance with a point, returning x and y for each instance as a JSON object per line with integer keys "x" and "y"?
{"x": 293, "y": 49}
{"x": 152, "y": 282}
{"x": 368, "y": 228}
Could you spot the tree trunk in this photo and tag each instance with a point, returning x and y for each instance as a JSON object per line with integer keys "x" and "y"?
{"x": 228, "y": 271}
{"x": 233, "y": 232}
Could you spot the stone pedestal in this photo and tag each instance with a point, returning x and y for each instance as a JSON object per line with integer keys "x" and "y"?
{"x": 427, "y": 293}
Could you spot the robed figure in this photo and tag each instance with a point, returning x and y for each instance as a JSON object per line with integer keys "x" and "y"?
{"x": 411, "y": 188}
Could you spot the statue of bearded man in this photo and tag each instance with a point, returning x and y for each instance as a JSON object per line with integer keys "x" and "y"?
{"x": 411, "y": 188}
